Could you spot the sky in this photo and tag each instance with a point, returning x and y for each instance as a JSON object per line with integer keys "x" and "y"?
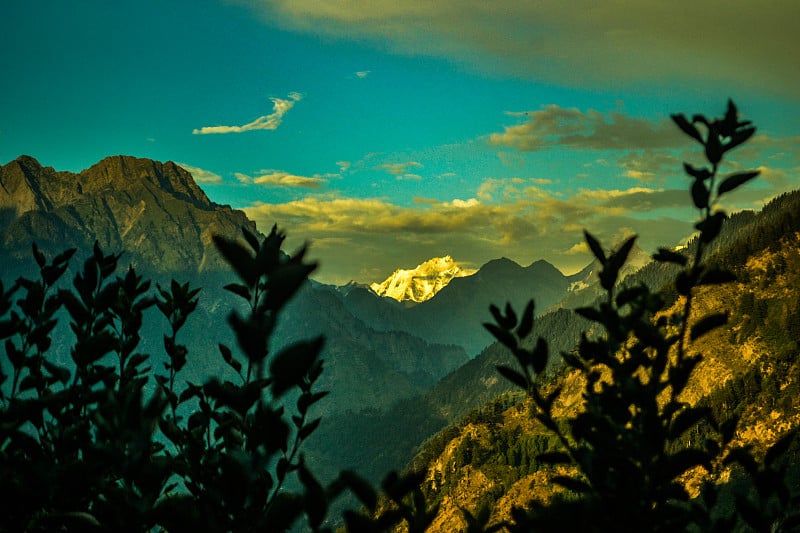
{"x": 384, "y": 133}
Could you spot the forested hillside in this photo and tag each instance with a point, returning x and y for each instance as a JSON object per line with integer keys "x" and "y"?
{"x": 399, "y": 429}
{"x": 488, "y": 463}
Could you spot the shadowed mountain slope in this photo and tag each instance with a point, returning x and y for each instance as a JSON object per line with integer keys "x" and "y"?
{"x": 154, "y": 211}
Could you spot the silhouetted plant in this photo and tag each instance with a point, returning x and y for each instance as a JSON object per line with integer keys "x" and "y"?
{"x": 93, "y": 446}
{"x": 627, "y": 443}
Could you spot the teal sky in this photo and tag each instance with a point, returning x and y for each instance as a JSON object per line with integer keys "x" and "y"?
{"x": 386, "y": 132}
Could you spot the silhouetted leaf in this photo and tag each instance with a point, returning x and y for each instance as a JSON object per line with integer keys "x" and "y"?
{"x": 591, "y": 313}
{"x": 716, "y": 276}
{"x": 526, "y": 322}
{"x": 683, "y": 460}
{"x": 38, "y": 255}
{"x": 708, "y": 323}
{"x": 697, "y": 173}
{"x": 507, "y": 321}
{"x": 316, "y": 504}
{"x": 627, "y": 295}
{"x": 502, "y": 335}
{"x": 687, "y": 419}
{"x": 539, "y": 356}
{"x": 239, "y": 289}
{"x": 736, "y": 180}
{"x": 59, "y": 372}
{"x": 700, "y": 194}
{"x": 547, "y": 401}
{"x": 687, "y": 127}
{"x": 361, "y": 488}
{"x": 64, "y": 256}
{"x": 778, "y": 449}
{"x": 306, "y": 400}
{"x": 741, "y": 135}
{"x": 290, "y": 366}
{"x": 251, "y": 239}
{"x": 594, "y": 246}
{"x": 569, "y": 483}
{"x": 744, "y": 457}
{"x": 513, "y": 376}
{"x": 727, "y": 429}
{"x": 620, "y": 256}
{"x": 554, "y": 458}
{"x": 714, "y": 148}
{"x": 308, "y": 428}
{"x": 684, "y": 283}
{"x": 227, "y": 356}
{"x": 238, "y": 257}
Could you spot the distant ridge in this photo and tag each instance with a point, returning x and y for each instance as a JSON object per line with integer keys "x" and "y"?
{"x": 454, "y": 315}
{"x": 154, "y": 211}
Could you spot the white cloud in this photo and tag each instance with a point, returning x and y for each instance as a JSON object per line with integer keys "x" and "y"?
{"x": 280, "y": 107}
{"x": 200, "y": 175}
{"x": 284, "y": 179}
{"x": 472, "y": 202}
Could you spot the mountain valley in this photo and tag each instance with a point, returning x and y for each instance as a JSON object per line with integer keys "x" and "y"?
{"x": 412, "y": 373}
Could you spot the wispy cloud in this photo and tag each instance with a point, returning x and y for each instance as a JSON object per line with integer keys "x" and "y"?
{"x": 280, "y": 107}
{"x": 650, "y": 166}
{"x": 398, "y": 169}
{"x": 555, "y": 126}
{"x": 284, "y": 179}
{"x": 201, "y": 175}
{"x": 578, "y": 43}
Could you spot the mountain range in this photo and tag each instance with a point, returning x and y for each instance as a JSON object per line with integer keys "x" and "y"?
{"x": 161, "y": 219}
{"x": 163, "y": 222}
{"x": 399, "y": 371}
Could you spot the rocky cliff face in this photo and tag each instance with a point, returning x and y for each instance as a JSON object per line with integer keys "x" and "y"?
{"x": 154, "y": 211}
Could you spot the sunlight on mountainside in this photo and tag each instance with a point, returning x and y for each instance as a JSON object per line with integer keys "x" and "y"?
{"x": 423, "y": 282}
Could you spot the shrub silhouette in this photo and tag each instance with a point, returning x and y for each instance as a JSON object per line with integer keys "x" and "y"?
{"x": 86, "y": 446}
{"x": 627, "y": 447}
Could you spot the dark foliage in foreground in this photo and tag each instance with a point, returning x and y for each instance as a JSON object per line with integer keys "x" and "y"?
{"x": 627, "y": 447}
{"x": 105, "y": 442}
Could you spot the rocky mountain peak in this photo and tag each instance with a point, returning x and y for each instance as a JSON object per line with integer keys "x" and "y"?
{"x": 153, "y": 211}
{"x": 122, "y": 170}
{"x": 421, "y": 283}
{"x": 28, "y": 164}
{"x": 20, "y": 189}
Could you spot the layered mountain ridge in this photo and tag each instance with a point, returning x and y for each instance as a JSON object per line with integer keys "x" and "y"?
{"x": 162, "y": 221}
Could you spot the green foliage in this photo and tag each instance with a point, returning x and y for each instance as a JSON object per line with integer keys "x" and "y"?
{"x": 629, "y": 444}
{"x": 98, "y": 445}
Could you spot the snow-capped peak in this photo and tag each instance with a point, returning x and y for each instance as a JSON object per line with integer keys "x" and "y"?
{"x": 423, "y": 282}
